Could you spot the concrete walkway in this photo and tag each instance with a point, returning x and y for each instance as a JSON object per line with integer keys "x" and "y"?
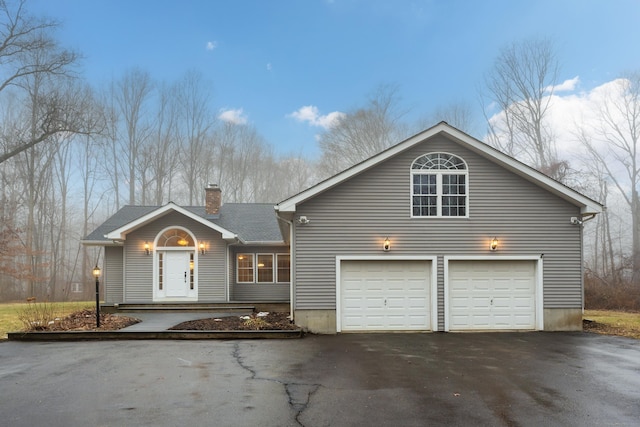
{"x": 157, "y": 321}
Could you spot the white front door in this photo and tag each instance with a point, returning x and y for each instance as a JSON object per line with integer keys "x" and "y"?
{"x": 177, "y": 274}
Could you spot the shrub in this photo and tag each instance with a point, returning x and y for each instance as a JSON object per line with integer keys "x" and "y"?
{"x": 256, "y": 323}
{"x": 599, "y": 295}
{"x": 37, "y": 316}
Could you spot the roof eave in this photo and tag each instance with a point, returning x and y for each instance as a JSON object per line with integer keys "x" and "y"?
{"x": 100, "y": 243}
{"x": 587, "y": 205}
{"x": 121, "y": 232}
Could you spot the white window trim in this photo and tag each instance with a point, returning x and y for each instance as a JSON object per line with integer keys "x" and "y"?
{"x": 276, "y": 268}
{"x": 253, "y": 267}
{"x": 438, "y": 173}
{"x": 258, "y": 255}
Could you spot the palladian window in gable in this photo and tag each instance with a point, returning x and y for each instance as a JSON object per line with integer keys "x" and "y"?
{"x": 439, "y": 186}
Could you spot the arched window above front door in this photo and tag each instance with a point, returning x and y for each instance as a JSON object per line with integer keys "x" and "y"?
{"x": 175, "y": 237}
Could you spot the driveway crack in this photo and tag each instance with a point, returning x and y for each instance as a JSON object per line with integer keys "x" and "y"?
{"x": 299, "y": 394}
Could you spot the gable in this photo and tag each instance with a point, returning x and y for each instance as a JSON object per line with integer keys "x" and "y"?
{"x": 241, "y": 222}
{"x": 430, "y": 136}
{"x": 384, "y": 191}
{"x": 121, "y": 232}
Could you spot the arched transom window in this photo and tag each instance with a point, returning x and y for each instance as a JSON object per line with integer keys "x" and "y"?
{"x": 439, "y": 186}
{"x": 175, "y": 237}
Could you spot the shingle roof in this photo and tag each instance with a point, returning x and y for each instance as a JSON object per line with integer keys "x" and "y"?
{"x": 252, "y": 222}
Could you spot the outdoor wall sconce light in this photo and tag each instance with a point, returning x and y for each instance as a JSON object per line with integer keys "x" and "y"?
{"x": 147, "y": 248}
{"x": 202, "y": 248}
{"x": 494, "y": 244}
{"x": 386, "y": 246}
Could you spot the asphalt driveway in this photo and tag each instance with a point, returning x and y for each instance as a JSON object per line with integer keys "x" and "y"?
{"x": 564, "y": 379}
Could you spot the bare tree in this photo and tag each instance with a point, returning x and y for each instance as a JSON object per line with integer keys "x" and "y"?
{"x": 164, "y": 147}
{"x": 28, "y": 49}
{"x": 363, "y": 132}
{"x": 132, "y": 95}
{"x": 193, "y": 98}
{"x": 614, "y": 141}
{"x": 520, "y": 84}
{"x": 459, "y": 115}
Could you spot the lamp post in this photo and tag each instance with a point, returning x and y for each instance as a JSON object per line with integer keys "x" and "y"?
{"x": 96, "y": 274}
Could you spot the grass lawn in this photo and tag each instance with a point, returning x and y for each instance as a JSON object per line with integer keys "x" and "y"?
{"x": 614, "y": 322}
{"x": 9, "y": 314}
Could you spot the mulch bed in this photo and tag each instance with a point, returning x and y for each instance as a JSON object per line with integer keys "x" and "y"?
{"x": 85, "y": 320}
{"x": 255, "y": 322}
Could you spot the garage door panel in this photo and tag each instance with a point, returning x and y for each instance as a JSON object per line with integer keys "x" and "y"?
{"x": 394, "y": 295}
{"x": 486, "y": 295}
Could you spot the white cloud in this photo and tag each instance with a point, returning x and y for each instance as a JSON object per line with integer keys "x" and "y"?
{"x": 235, "y": 116}
{"x": 311, "y": 114}
{"x": 566, "y": 86}
{"x": 569, "y": 114}
{"x": 212, "y": 45}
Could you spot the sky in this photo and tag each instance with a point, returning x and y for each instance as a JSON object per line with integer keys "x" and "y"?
{"x": 290, "y": 67}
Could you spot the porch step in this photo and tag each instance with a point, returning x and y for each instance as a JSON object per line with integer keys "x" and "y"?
{"x": 226, "y": 308}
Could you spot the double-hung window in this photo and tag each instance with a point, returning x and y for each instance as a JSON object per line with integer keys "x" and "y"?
{"x": 263, "y": 268}
{"x": 244, "y": 263}
{"x": 439, "y": 186}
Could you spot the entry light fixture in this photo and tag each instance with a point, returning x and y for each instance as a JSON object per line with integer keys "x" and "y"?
{"x": 96, "y": 275}
{"x": 147, "y": 248}
{"x": 202, "y": 248}
{"x": 494, "y": 244}
{"x": 386, "y": 246}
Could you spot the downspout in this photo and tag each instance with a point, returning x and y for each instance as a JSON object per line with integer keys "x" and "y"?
{"x": 291, "y": 264}
{"x": 583, "y": 218}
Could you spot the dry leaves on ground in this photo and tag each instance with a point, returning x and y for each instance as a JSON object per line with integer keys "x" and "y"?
{"x": 255, "y": 322}
{"x": 85, "y": 320}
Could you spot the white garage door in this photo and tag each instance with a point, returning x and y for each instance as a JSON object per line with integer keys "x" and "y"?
{"x": 485, "y": 295}
{"x": 385, "y": 295}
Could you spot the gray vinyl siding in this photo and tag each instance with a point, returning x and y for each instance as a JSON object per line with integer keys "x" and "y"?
{"x": 139, "y": 266}
{"x": 354, "y": 218}
{"x": 113, "y": 274}
{"x": 256, "y": 292}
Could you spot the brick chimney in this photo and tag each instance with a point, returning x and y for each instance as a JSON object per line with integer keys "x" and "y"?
{"x": 213, "y": 199}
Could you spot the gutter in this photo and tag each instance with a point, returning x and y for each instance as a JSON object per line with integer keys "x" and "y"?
{"x": 101, "y": 243}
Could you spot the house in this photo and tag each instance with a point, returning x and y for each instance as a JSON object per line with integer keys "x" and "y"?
{"x": 185, "y": 254}
{"x": 440, "y": 232}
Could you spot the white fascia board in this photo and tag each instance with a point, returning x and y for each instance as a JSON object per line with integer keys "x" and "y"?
{"x": 290, "y": 204}
{"x": 264, "y": 243}
{"x": 100, "y": 243}
{"x": 587, "y": 205}
{"x": 120, "y": 233}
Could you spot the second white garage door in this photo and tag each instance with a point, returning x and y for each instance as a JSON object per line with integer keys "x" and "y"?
{"x": 385, "y": 295}
{"x": 498, "y": 295}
